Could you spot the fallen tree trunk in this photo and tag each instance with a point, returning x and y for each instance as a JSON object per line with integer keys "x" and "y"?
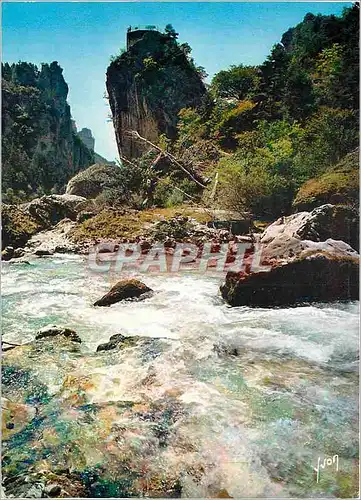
{"x": 173, "y": 159}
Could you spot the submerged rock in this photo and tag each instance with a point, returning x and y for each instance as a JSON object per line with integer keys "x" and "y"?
{"x": 54, "y": 331}
{"x": 117, "y": 341}
{"x": 7, "y": 253}
{"x": 124, "y": 289}
{"x": 114, "y": 341}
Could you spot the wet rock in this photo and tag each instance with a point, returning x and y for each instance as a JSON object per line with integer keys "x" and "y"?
{"x": 63, "y": 249}
{"x": 40, "y": 252}
{"x": 226, "y": 350}
{"x": 18, "y": 253}
{"x": 15, "y": 417}
{"x": 52, "y": 490}
{"x": 123, "y": 290}
{"x": 316, "y": 277}
{"x": 20, "y": 261}
{"x": 121, "y": 341}
{"x": 114, "y": 341}
{"x": 7, "y": 253}
{"x": 54, "y": 331}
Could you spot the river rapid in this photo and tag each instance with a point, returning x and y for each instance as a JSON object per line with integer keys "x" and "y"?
{"x": 211, "y": 401}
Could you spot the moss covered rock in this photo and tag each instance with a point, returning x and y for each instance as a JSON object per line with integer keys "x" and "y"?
{"x": 17, "y": 226}
{"x": 338, "y": 185}
{"x": 95, "y": 180}
{"x": 49, "y": 210}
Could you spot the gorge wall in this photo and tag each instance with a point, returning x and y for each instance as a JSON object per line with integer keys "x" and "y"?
{"x": 147, "y": 86}
{"x": 40, "y": 149}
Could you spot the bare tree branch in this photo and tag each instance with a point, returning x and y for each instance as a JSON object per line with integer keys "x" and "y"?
{"x": 135, "y": 134}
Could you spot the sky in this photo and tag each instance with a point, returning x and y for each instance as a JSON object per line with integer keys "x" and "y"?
{"x": 82, "y": 36}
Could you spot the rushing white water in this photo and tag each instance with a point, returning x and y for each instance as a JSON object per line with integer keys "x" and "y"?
{"x": 266, "y": 391}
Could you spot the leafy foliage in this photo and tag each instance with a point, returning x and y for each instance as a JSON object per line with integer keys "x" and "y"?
{"x": 239, "y": 82}
{"x": 286, "y": 122}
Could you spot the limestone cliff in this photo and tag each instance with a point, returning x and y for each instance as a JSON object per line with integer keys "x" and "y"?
{"x": 147, "y": 86}
{"x": 40, "y": 150}
{"x": 86, "y": 136}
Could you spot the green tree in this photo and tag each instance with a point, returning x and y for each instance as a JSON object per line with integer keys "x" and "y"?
{"x": 238, "y": 82}
{"x": 171, "y": 32}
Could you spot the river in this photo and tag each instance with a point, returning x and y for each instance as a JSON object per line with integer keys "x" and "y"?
{"x": 247, "y": 399}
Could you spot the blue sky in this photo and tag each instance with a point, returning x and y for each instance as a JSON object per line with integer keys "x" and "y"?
{"x": 82, "y": 36}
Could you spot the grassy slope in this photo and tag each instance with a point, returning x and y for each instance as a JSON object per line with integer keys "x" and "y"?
{"x": 113, "y": 223}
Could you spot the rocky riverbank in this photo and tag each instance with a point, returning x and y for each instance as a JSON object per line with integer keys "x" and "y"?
{"x": 310, "y": 255}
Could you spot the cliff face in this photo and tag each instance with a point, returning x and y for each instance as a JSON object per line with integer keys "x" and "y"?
{"x": 86, "y": 136}
{"x": 147, "y": 86}
{"x": 40, "y": 150}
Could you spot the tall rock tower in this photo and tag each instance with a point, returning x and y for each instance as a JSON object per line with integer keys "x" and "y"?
{"x": 148, "y": 85}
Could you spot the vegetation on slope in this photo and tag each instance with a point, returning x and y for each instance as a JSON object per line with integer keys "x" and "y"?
{"x": 339, "y": 184}
{"x": 40, "y": 150}
{"x": 261, "y": 132}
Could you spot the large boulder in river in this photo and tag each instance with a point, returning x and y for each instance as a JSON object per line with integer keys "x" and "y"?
{"x": 123, "y": 290}
{"x": 95, "y": 180}
{"x": 288, "y": 236}
{"x": 314, "y": 277}
{"x": 49, "y": 210}
{"x": 307, "y": 262}
{"x": 340, "y": 222}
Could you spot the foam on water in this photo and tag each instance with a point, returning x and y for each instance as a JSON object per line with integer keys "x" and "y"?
{"x": 264, "y": 390}
{"x": 62, "y": 290}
